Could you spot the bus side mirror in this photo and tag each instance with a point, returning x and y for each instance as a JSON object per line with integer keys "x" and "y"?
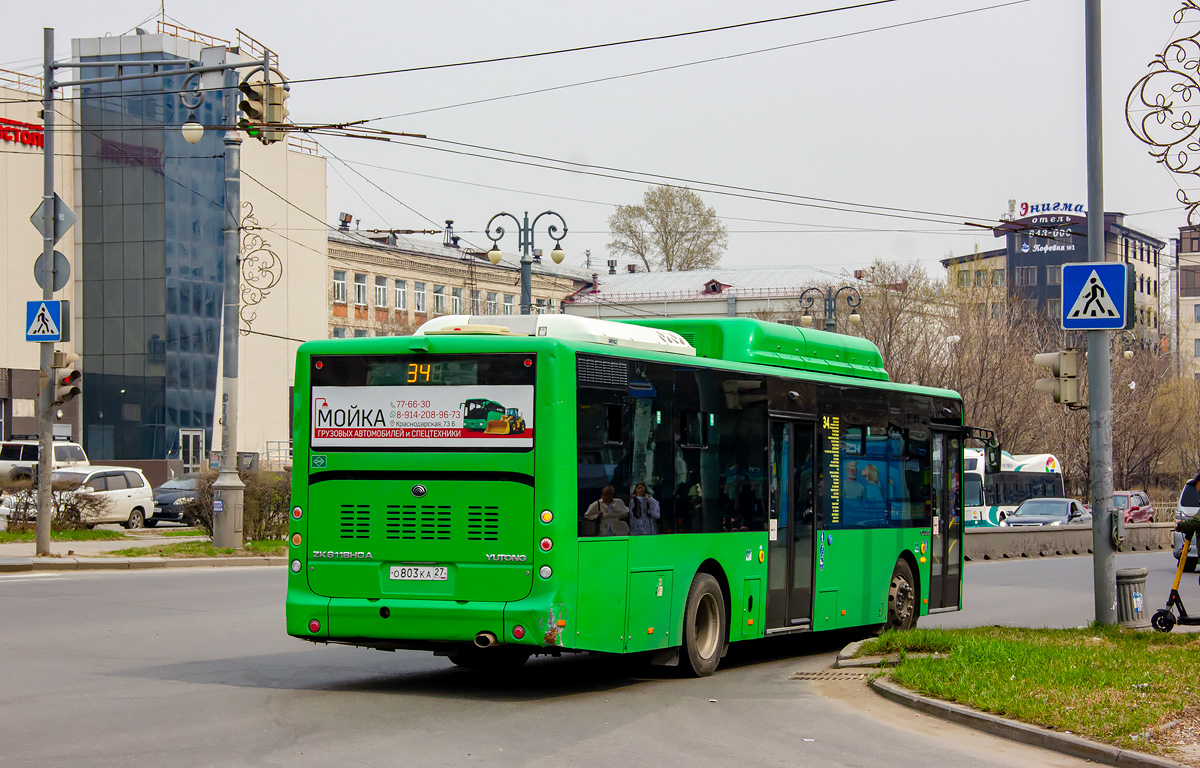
{"x": 991, "y": 453}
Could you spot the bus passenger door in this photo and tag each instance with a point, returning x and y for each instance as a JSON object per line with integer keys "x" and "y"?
{"x": 946, "y": 546}
{"x": 790, "y": 527}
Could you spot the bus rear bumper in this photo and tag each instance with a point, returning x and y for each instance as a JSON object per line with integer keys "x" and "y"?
{"x": 394, "y": 622}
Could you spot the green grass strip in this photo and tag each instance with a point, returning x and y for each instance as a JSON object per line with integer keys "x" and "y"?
{"x": 8, "y": 537}
{"x": 204, "y": 549}
{"x": 1103, "y": 683}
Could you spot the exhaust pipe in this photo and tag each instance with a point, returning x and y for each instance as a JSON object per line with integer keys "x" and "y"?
{"x": 485, "y": 639}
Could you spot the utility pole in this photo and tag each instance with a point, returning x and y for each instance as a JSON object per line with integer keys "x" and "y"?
{"x": 46, "y": 360}
{"x": 1104, "y": 530}
{"x": 228, "y": 488}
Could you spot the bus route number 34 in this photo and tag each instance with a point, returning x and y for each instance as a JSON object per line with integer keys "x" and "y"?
{"x": 418, "y": 573}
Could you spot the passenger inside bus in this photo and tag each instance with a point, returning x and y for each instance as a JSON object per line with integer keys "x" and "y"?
{"x": 610, "y": 514}
{"x": 644, "y": 512}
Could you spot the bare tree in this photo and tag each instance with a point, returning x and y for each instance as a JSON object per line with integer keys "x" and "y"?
{"x": 670, "y": 230}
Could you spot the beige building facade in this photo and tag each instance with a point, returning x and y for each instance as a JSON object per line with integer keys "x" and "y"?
{"x": 389, "y": 286}
{"x": 22, "y": 144}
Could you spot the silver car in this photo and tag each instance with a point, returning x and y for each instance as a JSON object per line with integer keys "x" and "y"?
{"x": 1189, "y": 504}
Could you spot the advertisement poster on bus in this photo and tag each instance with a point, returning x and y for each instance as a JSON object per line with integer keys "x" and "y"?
{"x": 422, "y": 417}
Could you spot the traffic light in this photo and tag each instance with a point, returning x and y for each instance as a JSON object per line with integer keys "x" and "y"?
{"x": 264, "y": 108}
{"x": 1064, "y": 387}
{"x": 66, "y": 377}
{"x": 277, "y": 112}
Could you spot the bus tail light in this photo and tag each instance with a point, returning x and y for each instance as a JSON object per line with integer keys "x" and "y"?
{"x": 546, "y": 544}
{"x": 547, "y": 516}
{"x": 518, "y": 632}
{"x": 314, "y": 626}
{"x": 545, "y": 572}
{"x": 297, "y": 513}
{"x": 296, "y": 566}
{"x": 296, "y": 539}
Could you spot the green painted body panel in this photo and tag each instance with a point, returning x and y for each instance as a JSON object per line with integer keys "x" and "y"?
{"x": 603, "y": 594}
{"x": 755, "y": 341}
{"x": 457, "y": 523}
{"x": 857, "y": 565}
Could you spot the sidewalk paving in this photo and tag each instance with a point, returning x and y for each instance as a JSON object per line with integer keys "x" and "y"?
{"x": 21, "y": 557}
{"x": 93, "y": 548}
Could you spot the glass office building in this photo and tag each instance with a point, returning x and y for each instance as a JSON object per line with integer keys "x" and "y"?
{"x": 150, "y": 268}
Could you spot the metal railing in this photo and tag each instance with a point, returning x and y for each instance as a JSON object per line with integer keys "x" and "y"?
{"x": 183, "y": 33}
{"x": 302, "y": 144}
{"x": 278, "y": 455}
{"x": 20, "y": 81}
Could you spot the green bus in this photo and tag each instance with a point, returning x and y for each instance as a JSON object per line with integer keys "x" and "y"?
{"x": 796, "y": 489}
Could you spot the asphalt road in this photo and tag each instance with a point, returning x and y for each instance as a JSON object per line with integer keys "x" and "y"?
{"x": 192, "y": 667}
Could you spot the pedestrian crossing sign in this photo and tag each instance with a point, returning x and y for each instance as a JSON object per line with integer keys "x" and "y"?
{"x": 1097, "y": 296}
{"x": 44, "y": 321}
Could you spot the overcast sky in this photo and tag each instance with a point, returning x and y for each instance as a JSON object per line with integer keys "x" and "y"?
{"x": 954, "y": 116}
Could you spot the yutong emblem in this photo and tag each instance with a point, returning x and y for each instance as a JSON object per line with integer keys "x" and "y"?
{"x": 331, "y": 555}
{"x": 508, "y": 558}
{"x": 419, "y": 491}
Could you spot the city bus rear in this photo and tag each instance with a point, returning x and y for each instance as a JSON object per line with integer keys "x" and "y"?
{"x": 410, "y": 528}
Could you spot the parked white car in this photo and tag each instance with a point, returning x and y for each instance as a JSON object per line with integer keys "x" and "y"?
{"x": 19, "y": 458}
{"x": 127, "y": 496}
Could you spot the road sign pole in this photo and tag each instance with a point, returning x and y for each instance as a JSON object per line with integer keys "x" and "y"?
{"x": 46, "y": 373}
{"x": 1104, "y": 559}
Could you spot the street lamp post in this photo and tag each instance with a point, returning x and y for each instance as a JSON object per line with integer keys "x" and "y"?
{"x": 808, "y": 300}
{"x": 525, "y": 233}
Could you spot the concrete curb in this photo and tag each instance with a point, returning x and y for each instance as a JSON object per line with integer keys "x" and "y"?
{"x": 28, "y": 564}
{"x": 1032, "y": 735}
{"x": 846, "y": 660}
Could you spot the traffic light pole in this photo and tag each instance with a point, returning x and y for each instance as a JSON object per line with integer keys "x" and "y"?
{"x": 46, "y": 360}
{"x": 228, "y": 489}
{"x": 1104, "y": 559}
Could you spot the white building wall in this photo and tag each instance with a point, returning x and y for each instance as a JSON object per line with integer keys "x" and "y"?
{"x": 285, "y": 189}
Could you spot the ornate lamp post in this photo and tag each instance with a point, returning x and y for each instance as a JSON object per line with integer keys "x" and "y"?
{"x": 525, "y": 233}
{"x": 808, "y": 300}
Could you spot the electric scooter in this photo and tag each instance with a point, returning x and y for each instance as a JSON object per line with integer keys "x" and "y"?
{"x": 1163, "y": 619}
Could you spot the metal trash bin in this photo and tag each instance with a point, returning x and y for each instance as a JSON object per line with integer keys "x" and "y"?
{"x": 1131, "y": 591}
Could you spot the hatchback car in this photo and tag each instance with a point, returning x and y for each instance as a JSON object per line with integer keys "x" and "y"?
{"x": 1189, "y": 505}
{"x": 1135, "y": 505}
{"x": 172, "y": 498}
{"x": 124, "y": 491}
{"x": 1047, "y": 511}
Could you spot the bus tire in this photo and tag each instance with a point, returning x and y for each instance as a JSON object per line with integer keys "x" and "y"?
{"x": 705, "y": 625}
{"x": 902, "y": 610}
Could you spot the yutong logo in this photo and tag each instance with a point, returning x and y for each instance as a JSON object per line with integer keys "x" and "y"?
{"x": 508, "y": 558}
{"x": 328, "y": 554}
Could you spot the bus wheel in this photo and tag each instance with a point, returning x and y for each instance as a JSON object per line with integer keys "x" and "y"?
{"x": 902, "y": 598}
{"x": 704, "y": 625}
{"x": 490, "y": 659}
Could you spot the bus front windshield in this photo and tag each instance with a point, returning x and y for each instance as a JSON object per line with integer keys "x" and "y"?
{"x": 972, "y": 490}
{"x": 1008, "y": 489}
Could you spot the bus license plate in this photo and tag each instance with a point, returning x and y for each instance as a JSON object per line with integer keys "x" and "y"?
{"x": 419, "y": 572}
